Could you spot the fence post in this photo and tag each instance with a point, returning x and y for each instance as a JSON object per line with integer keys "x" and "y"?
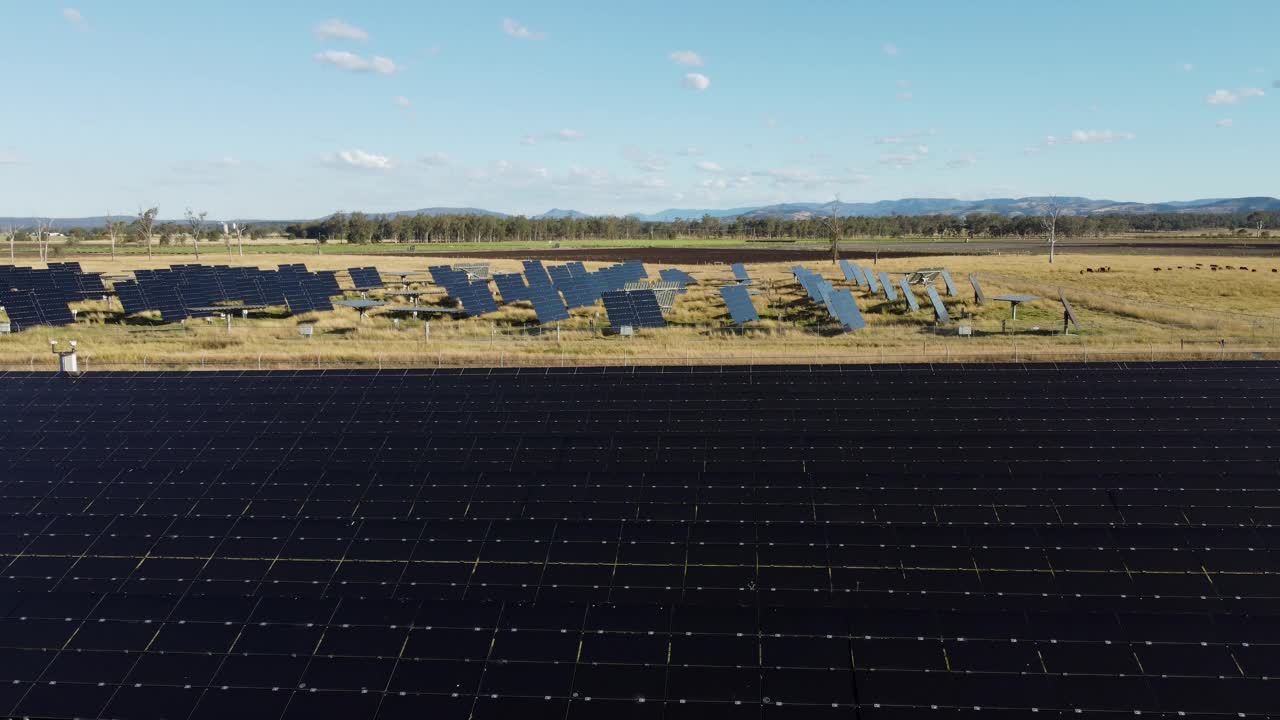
{"x": 259, "y": 361}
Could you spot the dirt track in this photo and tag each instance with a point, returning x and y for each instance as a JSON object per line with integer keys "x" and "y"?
{"x": 695, "y": 255}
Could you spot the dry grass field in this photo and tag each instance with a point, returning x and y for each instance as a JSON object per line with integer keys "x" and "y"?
{"x": 1130, "y": 311}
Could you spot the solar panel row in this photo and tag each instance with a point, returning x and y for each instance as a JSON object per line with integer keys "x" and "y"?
{"x": 642, "y": 542}
{"x": 633, "y": 308}
{"x": 738, "y": 300}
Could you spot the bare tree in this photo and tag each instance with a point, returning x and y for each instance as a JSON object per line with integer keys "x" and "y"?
{"x": 1049, "y": 215}
{"x": 11, "y": 233}
{"x": 196, "y": 222}
{"x": 146, "y": 223}
{"x": 239, "y": 231}
{"x": 43, "y": 228}
{"x": 836, "y": 228}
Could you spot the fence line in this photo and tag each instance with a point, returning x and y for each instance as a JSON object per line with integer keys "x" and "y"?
{"x": 944, "y": 355}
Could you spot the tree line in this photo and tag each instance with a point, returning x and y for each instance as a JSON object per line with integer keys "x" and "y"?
{"x": 359, "y": 228}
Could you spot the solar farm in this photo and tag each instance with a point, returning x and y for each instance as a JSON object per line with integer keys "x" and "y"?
{"x": 335, "y": 312}
{"x": 668, "y": 542}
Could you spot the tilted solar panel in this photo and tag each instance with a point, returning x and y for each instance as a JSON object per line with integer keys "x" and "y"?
{"x": 951, "y": 287}
{"x": 845, "y": 309}
{"x": 738, "y": 299}
{"x": 52, "y": 306}
{"x": 648, "y": 310}
{"x": 578, "y": 292}
{"x": 164, "y": 296}
{"x": 978, "y": 296}
{"x": 536, "y": 273}
{"x": 740, "y": 272}
{"x": 511, "y": 286}
{"x": 576, "y": 268}
{"x": 320, "y": 287}
{"x": 20, "y": 306}
{"x": 678, "y": 276}
{"x": 131, "y": 297}
{"x": 908, "y": 294}
{"x": 268, "y": 285}
{"x": 453, "y": 281}
{"x": 621, "y": 312}
{"x": 1068, "y": 310}
{"x": 872, "y": 283}
{"x": 559, "y": 273}
{"x": 939, "y": 310}
{"x": 886, "y": 282}
{"x": 547, "y": 304}
{"x": 295, "y": 295}
{"x": 476, "y": 298}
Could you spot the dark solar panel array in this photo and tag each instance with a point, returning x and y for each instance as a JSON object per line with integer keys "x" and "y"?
{"x": 872, "y": 283}
{"x": 951, "y": 286}
{"x": 1035, "y": 541}
{"x": 844, "y": 308}
{"x": 65, "y": 281}
{"x": 366, "y": 278}
{"x": 535, "y": 273}
{"x": 512, "y": 287}
{"x": 740, "y": 272}
{"x": 547, "y": 304}
{"x": 634, "y": 308}
{"x": 738, "y": 300}
{"x": 20, "y": 306}
{"x": 476, "y": 298}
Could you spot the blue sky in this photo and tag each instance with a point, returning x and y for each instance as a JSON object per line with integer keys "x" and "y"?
{"x": 283, "y": 110}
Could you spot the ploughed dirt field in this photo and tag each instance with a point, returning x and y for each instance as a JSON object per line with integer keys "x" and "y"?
{"x": 777, "y": 252}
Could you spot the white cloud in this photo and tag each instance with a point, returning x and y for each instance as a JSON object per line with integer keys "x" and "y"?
{"x": 1225, "y": 123}
{"x": 432, "y": 51}
{"x": 1275, "y": 84}
{"x": 905, "y": 96}
{"x": 697, "y": 81}
{"x": 339, "y": 30}
{"x": 1187, "y": 67}
{"x": 361, "y": 160}
{"x": 905, "y": 138}
{"x": 563, "y": 135}
{"x": 1081, "y": 137}
{"x": 770, "y": 123}
{"x": 644, "y": 160}
{"x": 687, "y": 57}
{"x": 891, "y": 50}
{"x": 1223, "y": 97}
{"x": 904, "y": 160}
{"x": 438, "y": 159}
{"x": 690, "y": 151}
{"x": 402, "y": 101}
{"x": 73, "y": 16}
{"x": 961, "y": 163}
{"x": 516, "y": 30}
{"x": 810, "y": 179}
{"x": 9, "y": 156}
{"x": 708, "y": 166}
{"x": 357, "y": 63}
{"x": 1228, "y": 97}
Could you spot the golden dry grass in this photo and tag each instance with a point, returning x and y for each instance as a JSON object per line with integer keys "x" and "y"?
{"x": 1131, "y": 311}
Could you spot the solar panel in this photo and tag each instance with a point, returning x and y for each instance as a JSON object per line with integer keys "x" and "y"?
{"x": 740, "y": 273}
{"x": 576, "y": 268}
{"x": 547, "y": 304}
{"x": 939, "y": 310}
{"x": 535, "y": 273}
{"x": 20, "y": 306}
{"x": 634, "y": 308}
{"x": 738, "y": 300}
{"x": 872, "y": 283}
{"x": 907, "y": 294}
{"x": 852, "y": 273}
{"x": 131, "y": 298}
{"x": 634, "y": 270}
{"x": 453, "y": 281}
{"x": 677, "y": 276}
{"x": 319, "y": 287}
{"x": 365, "y": 278}
{"x": 511, "y": 286}
{"x": 1068, "y": 310}
{"x": 978, "y": 296}
{"x": 887, "y": 283}
{"x": 845, "y": 309}
{"x": 578, "y": 292}
{"x": 951, "y": 287}
{"x": 476, "y": 298}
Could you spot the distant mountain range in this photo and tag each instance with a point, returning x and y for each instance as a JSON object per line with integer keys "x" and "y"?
{"x": 1012, "y": 207}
